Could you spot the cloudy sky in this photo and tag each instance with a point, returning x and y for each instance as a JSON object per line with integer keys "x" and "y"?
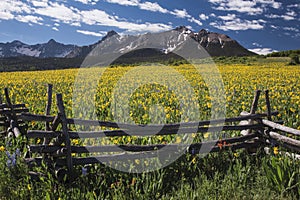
{"x": 260, "y": 25}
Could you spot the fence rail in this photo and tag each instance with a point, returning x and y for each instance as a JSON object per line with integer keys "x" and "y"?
{"x": 256, "y": 132}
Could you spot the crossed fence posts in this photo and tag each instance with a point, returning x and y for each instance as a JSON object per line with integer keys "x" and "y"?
{"x": 257, "y": 130}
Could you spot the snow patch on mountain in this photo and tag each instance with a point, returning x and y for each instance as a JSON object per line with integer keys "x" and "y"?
{"x": 28, "y": 51}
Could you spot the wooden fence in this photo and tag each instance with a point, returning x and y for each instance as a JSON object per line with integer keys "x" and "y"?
{"x": 257, "y": 130}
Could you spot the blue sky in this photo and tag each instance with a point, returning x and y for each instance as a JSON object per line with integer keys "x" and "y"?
{"x": 260, "y": 25}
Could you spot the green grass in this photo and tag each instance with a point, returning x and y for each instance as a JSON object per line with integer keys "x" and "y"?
{"x": 223, "y": 175}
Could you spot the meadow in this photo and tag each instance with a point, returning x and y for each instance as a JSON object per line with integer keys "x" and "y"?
{"x": 226, "y": 175}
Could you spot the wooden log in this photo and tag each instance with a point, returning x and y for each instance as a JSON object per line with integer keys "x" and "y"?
{"x": 42, "y": 134}
{"x": 255, "y": 102}
{"x": 269, "y": 111}
{"x": 146, "y": 132}
{"x": 146, "y": 155}
{"x": 63, "y": 117}
{"x": 7, "y": 97}
{"x": 31, "y": 117}
{"x": 47, "y": 111}
{"x": 109, "y": 158}
{"x": 234, "y": 147}
{"x": 14, "y": 111}
{"x": 56, "y": 122}
{"x": 167, "y": 126}
{"x": 22, "y": 105}
{"x": 134, "y": 148}
{"x": 285, "y": 140}
{"x": 280, "y": 127}
{"x": 34, "y": 117}
{"x": 253, "y": 110}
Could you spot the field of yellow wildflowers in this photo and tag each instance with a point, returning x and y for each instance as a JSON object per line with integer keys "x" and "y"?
{"x": 240, "y": 82}
{"x": 226, "y": 175}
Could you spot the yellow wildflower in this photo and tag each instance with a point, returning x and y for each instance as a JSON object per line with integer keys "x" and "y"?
{"x": 206, "y": 135}
{"x": 275, "y": 150}
{"x": 137, "y": 161}
{"x": 178, "y": 140}
{"x": 2, "y": 148}
{"x": 194, "y": 160}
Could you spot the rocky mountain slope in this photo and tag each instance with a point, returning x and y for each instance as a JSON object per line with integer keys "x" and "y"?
{"x": 215, "y": 44}
{"x": 46, "y": 50}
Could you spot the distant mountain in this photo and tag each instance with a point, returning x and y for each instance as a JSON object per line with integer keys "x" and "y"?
{"x": 46, "y": 50}
{"x": 215, "y": 44}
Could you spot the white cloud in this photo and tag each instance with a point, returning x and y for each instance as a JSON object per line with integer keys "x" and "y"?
{"x": 29, "y": 19}
{"x": 203, "y": 16}
{"x": 262, "y": 51}
{"x": 97, "y": 34}
{"x": 287, "y": 17}
{"x": 55, "y": 28}
{"x": 245, "y": 6}
{"x": 93, "y": 2}
{"x": 180, "y": 13}
{"x": 154, "y": 7}
{"x": 228, "y": 17}
{"x": 192, "y": 19}
{"x": 238, "y": 24}
{"x": 274, "y": 27}
{"x": 99, "y": 17}
{"x": 6, "y": 15}
{"x": 59, "y": 12}
{"x": 291, "y": 13}
{"x": 75, "y": 24}
{"x": 272, "y": 3}
{"x": 10, "y": 8}
{"x": 237, "y": 5}
{"x": 125, "y": 2}
{"x": 256, "y": 44}
{"x": 41, "y": 3}
{"x": 290, "y": 29}
{"x": 294, "y": 6}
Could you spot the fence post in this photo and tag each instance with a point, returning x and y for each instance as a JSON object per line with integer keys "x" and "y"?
{"x": 253, "y": 110}
{"x": 14, "y": 127}
{"x": 268, "y": 105}
{"x": 255, "y": 102}
{"x": 61, "y": 110}
{"x": 47, "y": 111}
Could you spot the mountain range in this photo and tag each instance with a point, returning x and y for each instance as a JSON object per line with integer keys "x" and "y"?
{"x": 215, "y": 44}
{"x": 127, "y": 48}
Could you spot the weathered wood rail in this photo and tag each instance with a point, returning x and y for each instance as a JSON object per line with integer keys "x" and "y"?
{"x": 10, "y": 121}
{"x": 257, "y": 130}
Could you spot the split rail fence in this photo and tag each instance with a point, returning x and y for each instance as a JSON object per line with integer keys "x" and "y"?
{"x": 257, "y": 130}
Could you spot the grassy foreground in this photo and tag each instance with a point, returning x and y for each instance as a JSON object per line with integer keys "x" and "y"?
{"x": 224, "y": 175}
